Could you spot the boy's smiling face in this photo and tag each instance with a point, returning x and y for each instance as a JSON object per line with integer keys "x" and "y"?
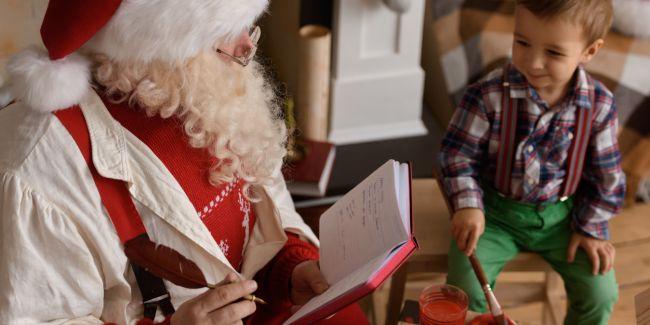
{"x": 548, "y": 51}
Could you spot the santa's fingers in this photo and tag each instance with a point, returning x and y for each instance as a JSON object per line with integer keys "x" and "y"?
{"x": 232, "y": 313}
{"x": 224, "y": 295}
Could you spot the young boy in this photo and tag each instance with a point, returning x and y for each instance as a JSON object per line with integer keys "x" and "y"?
{"x": 531, "y": 161}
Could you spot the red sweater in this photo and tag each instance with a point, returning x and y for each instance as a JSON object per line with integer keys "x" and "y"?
{"x": 224, "y": 210}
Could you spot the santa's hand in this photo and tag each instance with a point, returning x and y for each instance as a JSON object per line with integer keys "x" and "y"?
{"x": 222, "y": 305}
{"x": 306, "y": 282}
{"x": 600, "y": 252}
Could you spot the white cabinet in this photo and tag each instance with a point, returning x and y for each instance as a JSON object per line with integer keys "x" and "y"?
{"x": 377, "y": 81}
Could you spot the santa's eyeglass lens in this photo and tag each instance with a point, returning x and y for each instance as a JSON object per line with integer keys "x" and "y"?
{"x": 254, "y": 35}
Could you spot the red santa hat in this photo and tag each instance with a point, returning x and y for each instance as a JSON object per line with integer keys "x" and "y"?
{"x": 124, "y": 30}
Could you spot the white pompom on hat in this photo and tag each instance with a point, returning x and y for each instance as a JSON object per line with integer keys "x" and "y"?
{"x": 59, "y": 76}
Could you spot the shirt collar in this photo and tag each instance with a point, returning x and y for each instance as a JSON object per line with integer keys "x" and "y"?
{"x": 579, "y": 94}
{"x": 111, "y": 159}
{"x": 583, "y": 89}
{"x": 107, "y": 139}
{"x": 111, "y": 154}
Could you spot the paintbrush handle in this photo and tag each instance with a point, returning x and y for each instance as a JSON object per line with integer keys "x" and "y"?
{"x": 495, "y": 307}
{"x": 478, "y": 269}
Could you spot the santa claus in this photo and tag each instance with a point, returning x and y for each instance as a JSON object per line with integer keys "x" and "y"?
{"x": 140, "y": 163}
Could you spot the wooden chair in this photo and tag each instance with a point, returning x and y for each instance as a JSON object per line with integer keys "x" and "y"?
{"x": 432, "y": 224}
{"x": 642, "y": 307}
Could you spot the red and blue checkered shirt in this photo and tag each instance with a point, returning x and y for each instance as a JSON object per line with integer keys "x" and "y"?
{"x": 469, "y": 149}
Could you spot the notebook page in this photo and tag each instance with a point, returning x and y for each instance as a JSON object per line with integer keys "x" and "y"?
{"x": 404, "y": 195}
{"x": 362, "y": 225}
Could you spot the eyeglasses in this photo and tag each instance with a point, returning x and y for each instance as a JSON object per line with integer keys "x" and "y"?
{"x": 254, "y": 35}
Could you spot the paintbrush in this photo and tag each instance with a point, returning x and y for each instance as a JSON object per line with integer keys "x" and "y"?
{"x": 493, "y": 304}
{"x": 495, "y": 308}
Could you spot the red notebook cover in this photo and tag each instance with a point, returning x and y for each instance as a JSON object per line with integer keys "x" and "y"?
{"x": 395, "y": 261}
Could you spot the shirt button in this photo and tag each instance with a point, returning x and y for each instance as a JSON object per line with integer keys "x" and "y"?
{"x": 530, "y": 149}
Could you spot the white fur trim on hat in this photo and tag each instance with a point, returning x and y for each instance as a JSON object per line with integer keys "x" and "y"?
{"x": 172, "y": 30}
{"x": 46, "y": 85}
{"x": 632, "y": 17}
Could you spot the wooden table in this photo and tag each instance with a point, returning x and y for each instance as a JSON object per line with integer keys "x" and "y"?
{"x": 642, "y": 304}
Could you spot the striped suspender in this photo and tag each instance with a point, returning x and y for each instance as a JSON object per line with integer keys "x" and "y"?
{"x": 577, "y": 150}
{"x": 122, "y": 212}
{"x": 507, "y": 140}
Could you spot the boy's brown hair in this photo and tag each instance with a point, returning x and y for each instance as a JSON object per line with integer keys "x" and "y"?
{"x": 595, "y": 16}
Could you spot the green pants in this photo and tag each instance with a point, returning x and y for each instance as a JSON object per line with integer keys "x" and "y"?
{"x": 512, "y": 227}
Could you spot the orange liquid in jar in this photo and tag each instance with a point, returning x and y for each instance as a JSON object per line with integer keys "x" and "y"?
{"x": 441, "y": 312}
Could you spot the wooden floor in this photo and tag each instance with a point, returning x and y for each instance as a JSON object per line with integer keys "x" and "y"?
{"x": 631, "y": 232}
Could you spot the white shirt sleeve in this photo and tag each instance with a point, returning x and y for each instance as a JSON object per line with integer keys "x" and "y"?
{"x": 48, "y": 273}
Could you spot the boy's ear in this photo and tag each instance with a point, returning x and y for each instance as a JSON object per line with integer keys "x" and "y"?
{"x": 591, "y": 50}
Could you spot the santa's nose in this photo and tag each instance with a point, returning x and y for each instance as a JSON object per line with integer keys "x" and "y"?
{"x": 240, "y": 46}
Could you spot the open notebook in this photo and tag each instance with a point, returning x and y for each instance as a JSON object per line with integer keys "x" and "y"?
{"x": 364, "y": 238}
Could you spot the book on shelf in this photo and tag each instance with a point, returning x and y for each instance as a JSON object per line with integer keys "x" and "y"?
{"x": 310, "y": 175}
{"x": 364, "y": 237}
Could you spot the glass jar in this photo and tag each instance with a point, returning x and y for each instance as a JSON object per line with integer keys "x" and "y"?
{"x": 443, "y": 304}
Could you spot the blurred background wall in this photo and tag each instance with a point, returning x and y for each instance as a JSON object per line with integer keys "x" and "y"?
{"x": 21, "y": 20}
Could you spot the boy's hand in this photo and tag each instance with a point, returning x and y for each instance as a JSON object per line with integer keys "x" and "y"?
{"x": 600, "y": 252}
{"x": 467, "y": 225}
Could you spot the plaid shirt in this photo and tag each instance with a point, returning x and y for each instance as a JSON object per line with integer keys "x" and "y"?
{"x": 469, "y": 149}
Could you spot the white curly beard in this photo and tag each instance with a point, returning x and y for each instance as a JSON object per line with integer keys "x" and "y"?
{"x": 227, "y": 109}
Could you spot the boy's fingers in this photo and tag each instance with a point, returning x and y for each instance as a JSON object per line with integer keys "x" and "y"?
{"x": 454, "y": 232}
{"x": 608, "y": 251}
{"x": 462, "y": 240}
{"x": 473, "y": 240}
{"x": 604, "y": 260}
{"x": 612, "y": 251}
{"x": 571, "y": 250}
{"x": 595, "y": 260}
